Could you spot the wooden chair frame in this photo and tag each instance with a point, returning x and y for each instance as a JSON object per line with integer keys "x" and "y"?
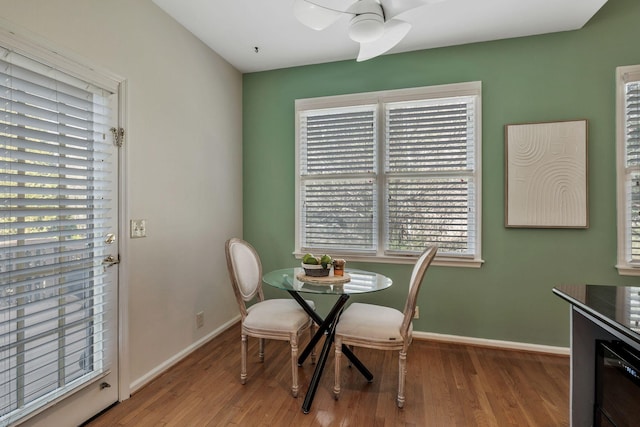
{"x": 405, "y": 329}
{"x": 246, "y": 292}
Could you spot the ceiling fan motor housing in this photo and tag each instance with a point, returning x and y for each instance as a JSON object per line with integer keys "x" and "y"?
{"x": 368, "y": 23}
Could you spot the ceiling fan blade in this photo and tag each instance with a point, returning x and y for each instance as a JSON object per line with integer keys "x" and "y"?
{"x": 315, "y": 15}
{"x": 394, "y": 31}
{"x": 395, "y": 8}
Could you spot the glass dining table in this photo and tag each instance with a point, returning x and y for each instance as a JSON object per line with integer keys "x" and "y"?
{"x": 353, "y": 282}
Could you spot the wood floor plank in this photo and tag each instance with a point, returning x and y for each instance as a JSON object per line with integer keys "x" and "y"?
{"x": 447, "y": 385}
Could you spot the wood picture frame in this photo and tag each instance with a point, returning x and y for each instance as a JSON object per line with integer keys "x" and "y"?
{"x": 546, "y": 175}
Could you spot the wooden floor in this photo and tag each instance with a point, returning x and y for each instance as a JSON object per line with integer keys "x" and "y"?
{"x": 447, "y": 385}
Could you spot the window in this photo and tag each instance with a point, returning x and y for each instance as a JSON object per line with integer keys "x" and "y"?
{"x": 628, "y": 169}
{"x": 380, "y": 175}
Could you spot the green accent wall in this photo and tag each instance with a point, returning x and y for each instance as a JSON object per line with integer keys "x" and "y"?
{"x": 560, "y": 76}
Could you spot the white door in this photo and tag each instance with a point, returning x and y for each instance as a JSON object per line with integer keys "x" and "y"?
{"x": 58, "y": 243}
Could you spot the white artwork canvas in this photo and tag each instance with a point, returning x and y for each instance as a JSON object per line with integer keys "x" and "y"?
{"x": 546, "y": 175}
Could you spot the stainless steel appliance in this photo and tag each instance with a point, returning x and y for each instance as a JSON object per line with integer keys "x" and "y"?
{"x": 617, "y": 400}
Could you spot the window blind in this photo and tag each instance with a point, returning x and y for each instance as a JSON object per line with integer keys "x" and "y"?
{"x": 338, "y": 185}
{"x": 633, "y": 296}
{"x": 430, "y": 136}
{"x": 429, "y": 167}
{"x": 632, "y": 160}
{"x": 430, "y": 210}
{"x": 55, "y": 175}
{"x": 632, "y": 123}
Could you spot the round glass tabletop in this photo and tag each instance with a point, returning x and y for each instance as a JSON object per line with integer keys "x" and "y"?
{"x": 360, "y": 282}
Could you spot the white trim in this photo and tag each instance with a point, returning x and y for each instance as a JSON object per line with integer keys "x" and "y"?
{"x": 483, "y": 342}
{"x": 620, "y": 178}
{"x": 124, "y": 361}
{"x": 161, "y": 368}
{"x": 409, "y": 260}
{"x": 451, "y": 90}
{"x": 431, "y": 336}
{"x": 625, "y": 74}
{"x": 40, "y": 49}
{"x": 627, "y": 270}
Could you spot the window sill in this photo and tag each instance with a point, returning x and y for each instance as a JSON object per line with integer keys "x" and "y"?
{"x": 437, "y": 261}
{"x": 628, "y": 270}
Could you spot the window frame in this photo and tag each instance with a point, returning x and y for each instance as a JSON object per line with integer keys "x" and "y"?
{"x": 625, "y": 265}
{"x": 381, "y": 98}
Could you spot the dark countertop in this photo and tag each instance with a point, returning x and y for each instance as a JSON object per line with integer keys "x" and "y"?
{"x": 617, "y": 306}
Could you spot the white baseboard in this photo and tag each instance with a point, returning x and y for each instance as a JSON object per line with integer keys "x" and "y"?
{"x": 507, "y": 345}
{"x": 482, "y": 342}
{"x": 151, "y": 375}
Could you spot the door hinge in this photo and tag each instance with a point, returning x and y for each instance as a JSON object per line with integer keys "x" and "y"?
{"x": 118, "y": 136}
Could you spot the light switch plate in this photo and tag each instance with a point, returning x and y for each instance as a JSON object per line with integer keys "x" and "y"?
{"x": 138, "y": 228}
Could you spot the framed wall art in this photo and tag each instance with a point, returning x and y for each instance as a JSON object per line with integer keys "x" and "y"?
{"x": 546, "y": 175}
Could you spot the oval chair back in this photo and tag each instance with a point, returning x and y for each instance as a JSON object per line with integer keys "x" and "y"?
{"x": 245, "y": 272}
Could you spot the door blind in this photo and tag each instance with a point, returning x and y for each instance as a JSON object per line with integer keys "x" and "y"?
{"x": 55, "y": 177}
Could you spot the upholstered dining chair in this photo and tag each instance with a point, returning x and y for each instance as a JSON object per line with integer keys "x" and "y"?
{"x": 278, "y": 319}
{"x": 382, "y": 328}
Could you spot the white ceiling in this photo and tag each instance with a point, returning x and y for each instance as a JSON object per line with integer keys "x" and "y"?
{"x": 234, "y": 28}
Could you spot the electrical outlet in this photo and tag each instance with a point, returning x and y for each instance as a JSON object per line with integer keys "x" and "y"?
{"x": 138, "y": 228}
{"x": 416, "y": 314}
{"x": 199, "y": 319}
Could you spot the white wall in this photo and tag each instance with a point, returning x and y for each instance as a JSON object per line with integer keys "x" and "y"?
{"x": 183, "y": 164}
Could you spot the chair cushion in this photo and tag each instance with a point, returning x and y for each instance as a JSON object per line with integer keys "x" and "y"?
{"x": 277, "y": 315}
{"x": 371, "y": 322}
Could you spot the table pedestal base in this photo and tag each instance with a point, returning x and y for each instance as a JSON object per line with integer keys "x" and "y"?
{"x": 326, "y": 327}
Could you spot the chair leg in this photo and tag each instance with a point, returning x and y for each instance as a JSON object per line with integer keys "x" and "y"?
{"x": 338, "y": 358}
{"x": 312, "y": 332}
{"x": 402, "y": 374}
{"x": 294, "y": 365}
{"x": 243, "y": 359}
{"x": 261, "y": 349}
